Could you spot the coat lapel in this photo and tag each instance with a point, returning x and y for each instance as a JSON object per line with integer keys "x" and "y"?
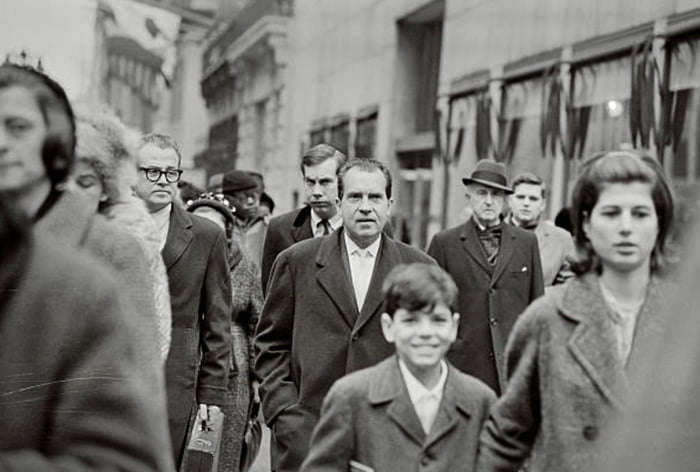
{"x": 649, "y": 329}
{"x": 301, "y": 228}
{"x": 505, "y": 252}
{"x": 387, "y": 258}
{"x": 592, "y": 342}
{"x": 333, "y": 277}
{"x": 471, "y": 244}
{"x": 453, "y": 408}
{"x": 179, "y": 236}
{"x": 388, "y": 387}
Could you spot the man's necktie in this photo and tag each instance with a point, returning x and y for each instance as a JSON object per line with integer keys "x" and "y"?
{"x": 326, "y": 227}
{"x": 491, "y": 241}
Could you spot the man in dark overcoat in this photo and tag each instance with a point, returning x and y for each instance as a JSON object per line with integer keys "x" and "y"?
{"x": 497, "y": 269}
{"x": 320, "y": 319}
{"x": 195, "y": 256}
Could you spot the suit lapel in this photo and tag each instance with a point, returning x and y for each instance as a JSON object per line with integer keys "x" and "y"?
{"x": 542, "y": 233}
{"x": 387, "y": 258}
{"x": 592, "y": 342}
{"x": 453, "y": 407}
{"x": 388, "y": 387}
{"x": 505, "y": 252}
{"x": 333, "y": 277}
{"x": 301, "y": 228}
{"x": 179, "y": 236}
{"x": 471, "y": 244}
{"x": 649, "y": 329}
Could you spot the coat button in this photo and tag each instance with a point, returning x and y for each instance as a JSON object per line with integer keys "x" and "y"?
{"x": 590, "y": 432}
{"x": 425, "y": 460}
{"x": 493, "y": 321}
{"x": 355, "y": 337}
{"x": 490, "y": 355}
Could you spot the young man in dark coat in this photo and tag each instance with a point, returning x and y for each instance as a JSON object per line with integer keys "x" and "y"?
{"x": 195, "y": 256}
{"x": 320, "y": 319}
{"x": 497, "y": 269}
{"x": 320, "y": 216}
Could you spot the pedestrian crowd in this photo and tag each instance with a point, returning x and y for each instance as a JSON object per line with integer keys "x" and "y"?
{"x": 135, "y": 307}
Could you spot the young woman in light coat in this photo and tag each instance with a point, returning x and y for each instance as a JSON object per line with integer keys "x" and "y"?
{"x": 574, "y": 354}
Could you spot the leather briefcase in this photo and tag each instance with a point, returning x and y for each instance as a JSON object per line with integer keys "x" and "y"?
{"x": 205, "y": 444}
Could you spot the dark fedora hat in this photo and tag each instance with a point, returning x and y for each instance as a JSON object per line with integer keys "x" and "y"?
{"x": 490, "y": 174}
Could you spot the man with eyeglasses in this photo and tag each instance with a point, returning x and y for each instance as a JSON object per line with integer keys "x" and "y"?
{"x": 194, "y": 252}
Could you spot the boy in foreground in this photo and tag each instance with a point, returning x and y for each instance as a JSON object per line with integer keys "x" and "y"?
{"x": 413, "y": 410}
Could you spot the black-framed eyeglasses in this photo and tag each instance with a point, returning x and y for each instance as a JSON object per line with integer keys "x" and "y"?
{"x": 153, "y": 174}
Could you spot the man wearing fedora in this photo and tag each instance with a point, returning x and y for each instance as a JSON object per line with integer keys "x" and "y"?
{"x": 243, "y": 191}
{"x": 497, "y": 269}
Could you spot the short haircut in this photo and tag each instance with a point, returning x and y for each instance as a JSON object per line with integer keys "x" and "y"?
{"x": 365, "y": 165}
{"x": 321, "y": 153}
{"x": 163, "y": 141}
{"x": 619, "y": 167}
{"x": 532, "y": 179}
{"x": 418, "y": 286}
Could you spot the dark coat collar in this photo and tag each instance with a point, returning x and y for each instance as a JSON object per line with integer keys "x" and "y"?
{"x": 472, "y": 245}
{"x": 179, "y": 236}
{"x": 333, "y": 275}
{"x": 301, "y": 226}
{"x": 592, "y": 342}
{"x": 387, "y": 386}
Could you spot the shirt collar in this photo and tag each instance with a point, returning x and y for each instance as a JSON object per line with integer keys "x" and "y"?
{"x": 372, "y": 249}
{"x": 416, "y": 390}
{"x": 336, "y": 221}
{"x": 162, "y": 215}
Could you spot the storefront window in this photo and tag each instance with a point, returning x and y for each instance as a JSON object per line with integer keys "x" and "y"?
{"x": 366, "y": 137}
{"x": 340, "y": 136}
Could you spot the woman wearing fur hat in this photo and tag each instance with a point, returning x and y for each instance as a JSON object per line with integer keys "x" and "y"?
{"x": 74, "y": 220}
{"x": 105, "y": 172}
{"x": 247, "y": 304}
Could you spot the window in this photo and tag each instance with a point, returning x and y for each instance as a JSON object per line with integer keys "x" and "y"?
{"x": 366, "y": 136}
{"x": 340, "y": 135}
{"x": 317, "y": 136}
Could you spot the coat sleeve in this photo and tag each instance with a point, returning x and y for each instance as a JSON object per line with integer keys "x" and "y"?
{"x": 273, "y": 342}
{"x": 215, "y": 330}
{"x": 103, "y": 415}
{"x": 271, "y": 249}
{"x": 512, "y": 426}
{"x": 537, "y": 283}
{"x": 332, "y": 443}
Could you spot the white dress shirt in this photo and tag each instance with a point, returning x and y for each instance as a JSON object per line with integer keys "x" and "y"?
{"x": 162, "y": 219}
{"x": 335, "y": 222}
{"x": 425, "y": 402}
{"x": 361, "y": 266}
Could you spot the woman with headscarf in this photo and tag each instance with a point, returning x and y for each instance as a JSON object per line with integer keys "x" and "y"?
{"x": 247, "y": 305}
{"x": 574, "y": 353}
{"x": 71, "y": 378}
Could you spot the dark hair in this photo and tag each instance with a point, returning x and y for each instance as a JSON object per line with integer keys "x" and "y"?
{"x": 619, "y": 167}
{"x": 189, "y": 192}
{"x": 529, "y": 178}
{"x": 321, "y": 153}
{"x": 563, "y": 220}
{"x": 418, "y": 286}
{"x": 163, "y": 141}
{"x": 59, "y": 145}
{"x": 365, "y": 165}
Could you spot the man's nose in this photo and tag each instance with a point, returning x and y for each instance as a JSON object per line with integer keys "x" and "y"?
{"x": 364, "y": 205}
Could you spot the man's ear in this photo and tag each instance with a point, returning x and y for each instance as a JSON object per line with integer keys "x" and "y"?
{"x": 387, "y": 327}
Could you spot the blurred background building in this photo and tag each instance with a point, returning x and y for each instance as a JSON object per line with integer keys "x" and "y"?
{"x": 426, "y": 86}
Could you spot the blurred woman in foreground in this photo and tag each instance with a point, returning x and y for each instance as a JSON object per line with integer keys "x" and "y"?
{"x": 574, "y": 353}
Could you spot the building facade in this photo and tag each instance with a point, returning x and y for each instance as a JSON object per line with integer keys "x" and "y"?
{"x": 243, "y": 83}
{"x": 429, "y": 87}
